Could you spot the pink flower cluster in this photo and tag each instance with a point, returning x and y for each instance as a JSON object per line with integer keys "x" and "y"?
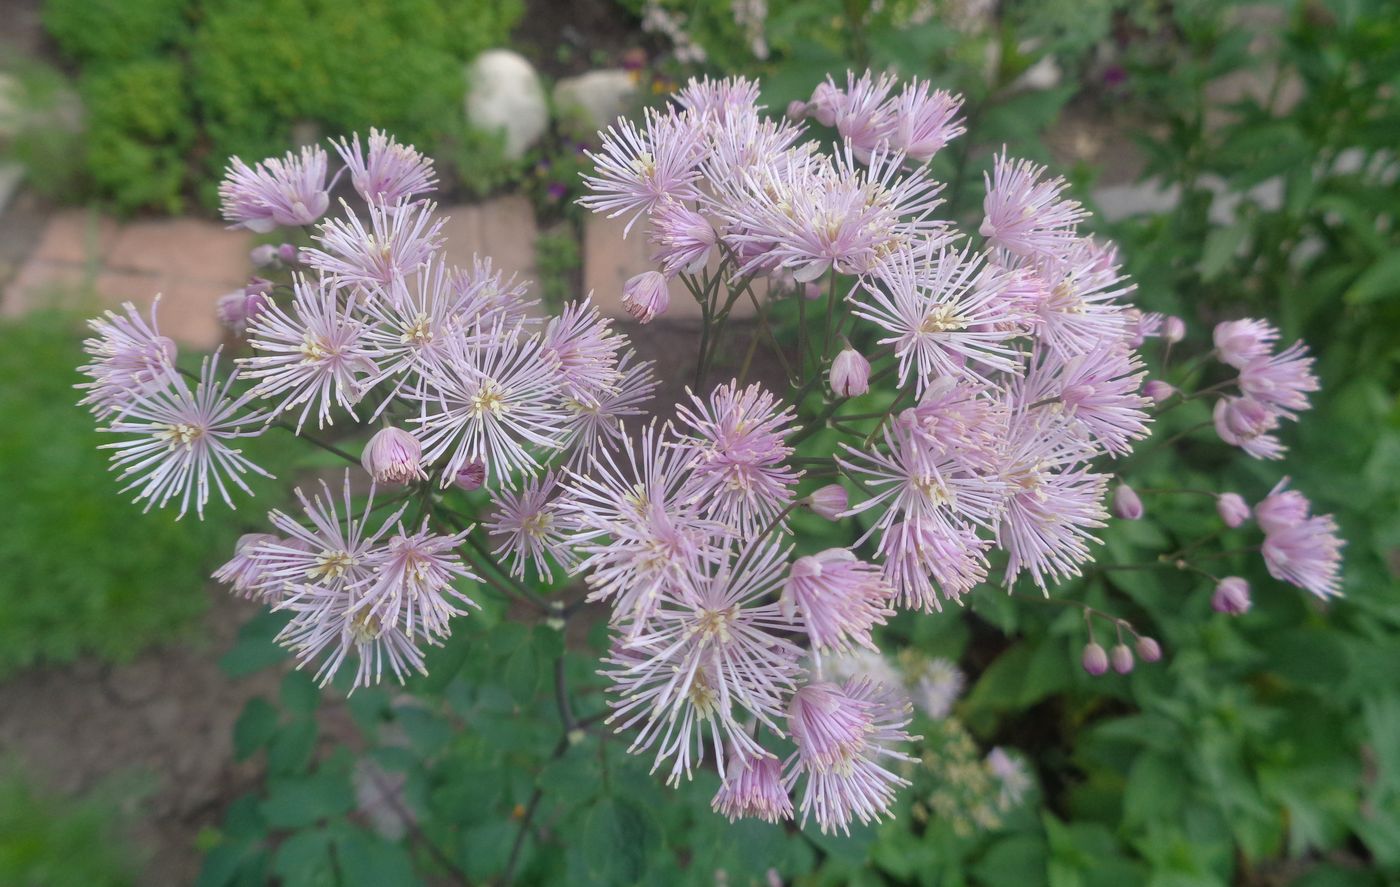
{"x": 1012, "y": 355}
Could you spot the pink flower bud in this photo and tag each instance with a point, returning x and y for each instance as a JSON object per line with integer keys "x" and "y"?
{"x": 1126, "y": 503}
{"x": 1158, "y": 390}
{"x": 646, "y": 295}
{"x": 393, "y": 456}
{"x": 287, "y": 252}
{"x": 1232, "y": 508}
{"x": 1281, "y": 509}
{"x": 812, "y": 291}
{"x": 257, "y": 286}
{"x": 850, "y": 373}
{"x": 1122, "y": 658}
{"x": 1231, "y": 596}
{"x": 1237, "y": 342}
{"x": 470, "y": 476}
{"x": 796, "y": 110}
{"x": 237, "y": 309}
{"x": 829, "y": 501}
{"x": 1095, "y": 659}
{"x": 1148, "y": 650}
{"x": 1173, "y": 329}
{"x": 263, "y": 255}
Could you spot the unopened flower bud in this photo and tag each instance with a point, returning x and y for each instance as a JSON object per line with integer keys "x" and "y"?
{"x": 1095, "y": 659}
{"x": 287, "y": 252}
{"x": 1158, "y": 390}
{"x": 1173, "y": 329}
{"x": 1126, "y": 503}
{"x": 812, "y": 291}
{"x": 796, "y": 110}
{"x": 1237, "y": 342}
{"x": 1232, "y": 508}
{"x": 263, "y": 255}
{"x": 850, "y": 373}
{"x": 829, "y": 501}
{"x": 1231, "y": 596}
{"x": 237, "y": 309}
{"x": 393, "y": 456}
{"x": 257, "y": 286}
{"x": 646, "y": 295}
{"x": 470, "y": 476}
{"x": 1148, "y": 650}
{"x": 1122, "y": 658}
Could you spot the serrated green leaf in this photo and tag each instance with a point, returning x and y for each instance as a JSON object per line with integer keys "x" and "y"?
{"x": 255, "y": 726}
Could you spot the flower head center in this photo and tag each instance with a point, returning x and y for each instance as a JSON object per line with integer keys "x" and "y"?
{"x": 488, "y": 399}
{"x": 332, "y": 565}
{"x": 180, "y": 434}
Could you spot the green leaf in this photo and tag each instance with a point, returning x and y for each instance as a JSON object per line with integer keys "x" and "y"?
{"x": 368, "y": 861}
{"x": 1154, "y": 791}
{"x": 300, "y": 695}
{"x": 255, "y": 726}
{"x": 1016, "y": 859}
{"x": 291, "y": 748}
{"x": 304, "y": 860}
{"x": 256, "y": 648}
{"x": 1220, "y": 248}
{"x": 1380, "y": 280}
{"x": 296, "y": 803}
{"x": 618, "y": 839}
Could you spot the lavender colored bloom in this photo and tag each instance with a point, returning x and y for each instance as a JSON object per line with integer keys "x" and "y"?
{"x": 829, "y": 501}
{"x": 737, "y": 470}
{"x": 398, "y": 241}
{"x": 826, "y": 102}
{"x": 393, "y": 456}
{"x": 315, "y": 358}
{"x": 707, "y": 659}
{"x": 646, "y": 295}
{"x": 945, "y": 314}
{"x": 684, "y": 239}
{"x": 596, "y": 421}
{"x": 411, "y": 587}
{"x": 719, "y": 100}
{"x": 1307, "y": 554}
{"x": 843, "y": 735}
{"x": 1077, "y": 307}
{"x": 753, "y": 789}
{"x": 864, "y": 116}
{"x": 532, "y": 528}
{"x": 1011, "y": 776}
{"x": 1281, "y": 381}
{"x": 923, "y": 557}
{"x": 850, "y": 373}
{"x": 1157, "y": 391}
{"x": 1282, "y": 508}
{"x": 236, "y": 310}
{"x": 925, "y": 121}
{"x": 486, "y": 298}
{"x": 129, "y": 358}
{"x": 390, "y": 173}
{"x": 244, "y": 571}
{"x": 1026, "y": 216}
{"x": 1231, "y": 596}
{"x": 639, "y": 168}
{"x": 179, "y": 440}
{"x": 585, "y": 347}
{"x": 939, "y": 685}
{"x": 1248, "y": 424}
{"x": 491, "y": 398}
{"x": 1237, "y": 342}
{"x": 330, "y": 553}
{"x": 406, "y": 324}
{"x": 1098, "y": 390}
{"x": 1232, "y": 508}
{"x": 839, "y": 597}
{"x": 287, "y": 191}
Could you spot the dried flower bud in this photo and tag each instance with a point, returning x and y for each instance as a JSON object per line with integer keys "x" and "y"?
{"x": 1232, "y": 508}
{"x": 1173, "y": 329}
{"x": 1126, "y": 503}
{"x": 470, "y": 476}
{"x": 1231, "y": 596}
{"x": 393, "y": 456}
{"x": 850, "y": 373}
{"x": 1158, "y": 390}
{"x": 646, "y": 295}
{"x": 263, "y": 255}
{"x": 1122, "y": 658}
{"x": 829, "y": 501}
{"x": 1148, "y": 649}
{"x": 1095, "y": 659}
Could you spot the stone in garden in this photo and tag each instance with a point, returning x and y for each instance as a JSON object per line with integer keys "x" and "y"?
{"x": 504, "y": 95}
{"x": 592, "y": 101}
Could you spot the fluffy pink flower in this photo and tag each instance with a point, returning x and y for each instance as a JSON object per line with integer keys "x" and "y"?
{"x": 737, "y": 471}
{"x": 314, "y": 356}
{"x": 684, "y": 239}
{"x": 287, "y": 191}
{"x": 843, "y": 736}
{"x": 753, "y": 789}
{"x": 398, "y": 241}
{"x": 1078, "y": 306}
{"x": 839, "y": 597}
{"x": 646, "y": 295}
{"x": 925, "y": 557}
{"x": 532, "y": 528}
{"x": 1026, "y": 216}
{"x": 129, "y": 357}
{"x": 244, "y": 572}
{"x": 1232, "y": 508}
{"x": 1307, "y": 554}
{"x": 411, "y": 586}
{"x": 1281, "y": 381}
{"x": 639, "y": 168}
{"x": 1282, "y": 508}
{"x": 1246, "y": 423}
{"x": 925, "y": 121}
{"x": 178, "y": 440}
{"x": 596, "y": 421}
{"x": 1098, "y": 391}
{"x": 1237, "y": 342}
{"x": 864, "y": 117}
{"x": 390, "y": 172}
{"x": 583, "y": 343}
{"x": 708, "y": 660}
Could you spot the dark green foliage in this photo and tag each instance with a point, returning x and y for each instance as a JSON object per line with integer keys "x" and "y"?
{"x": 250, "y": 76}
{"x": 86, "y": 571}
{"x": 48, "y": 841}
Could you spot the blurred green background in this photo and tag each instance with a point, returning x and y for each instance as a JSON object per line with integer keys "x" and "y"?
{"x": 1244, "y": 158}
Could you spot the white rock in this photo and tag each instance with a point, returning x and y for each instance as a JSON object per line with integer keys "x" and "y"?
{"x": 594, "y": 100}
{"x": 504, "y": 95}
